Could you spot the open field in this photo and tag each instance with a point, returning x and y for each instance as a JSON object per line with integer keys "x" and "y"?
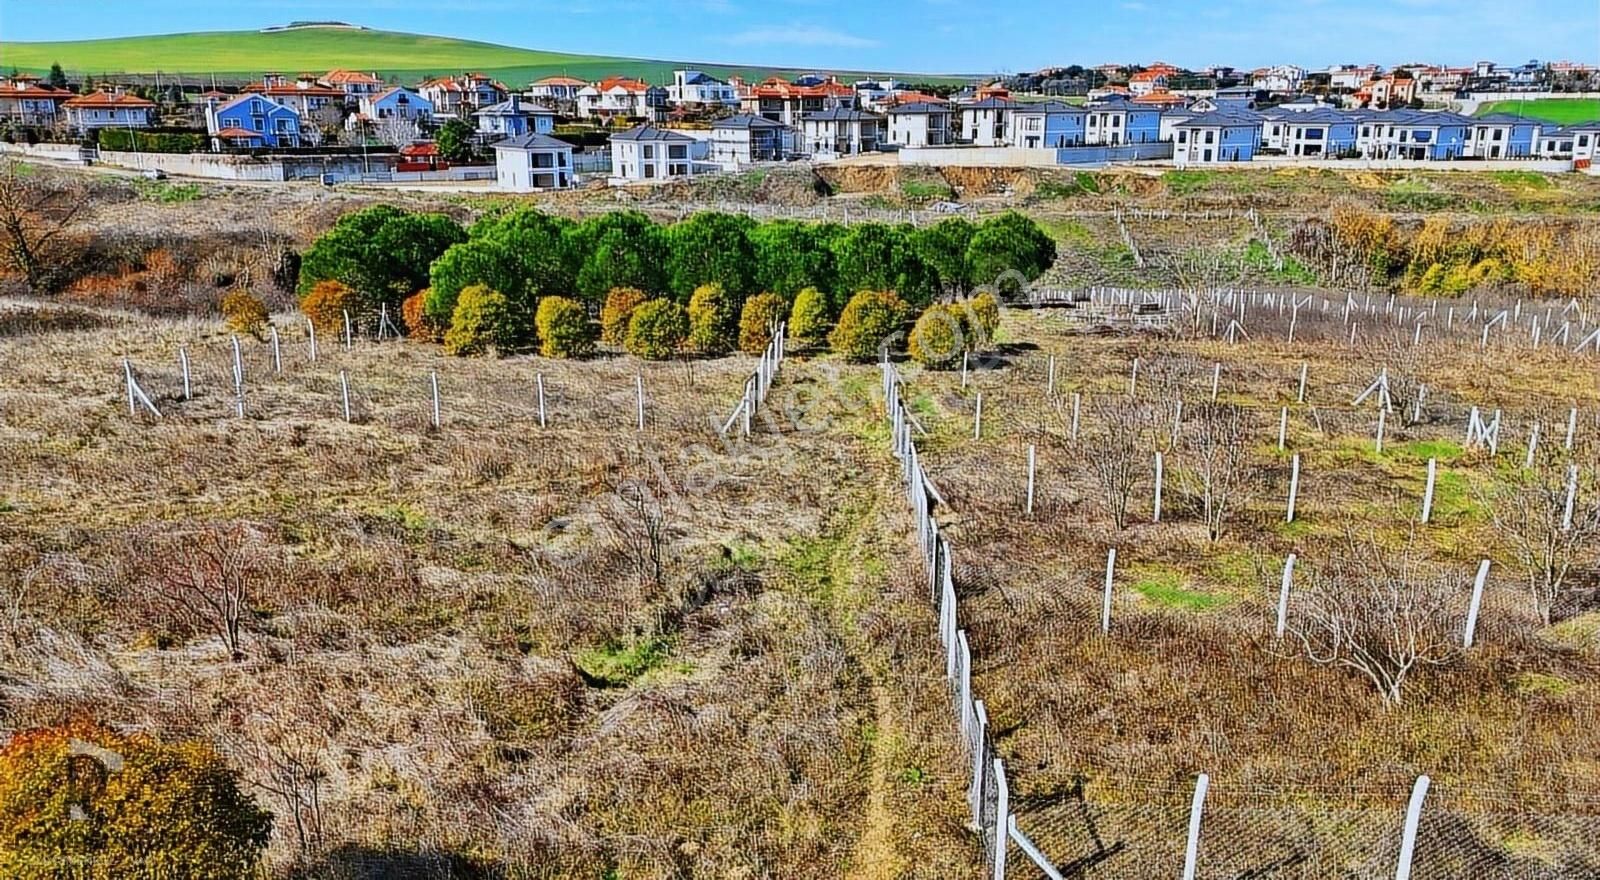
{"x": 1562, "y": 111}
{"x": 401, "y": 57}
{"x": 493, "y": 648}
{"x": 1310, "y": 765}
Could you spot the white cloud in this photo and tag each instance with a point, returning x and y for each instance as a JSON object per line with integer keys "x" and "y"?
{"x": 798, "y": 35}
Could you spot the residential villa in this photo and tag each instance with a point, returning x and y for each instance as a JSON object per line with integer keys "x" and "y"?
{"x": 787, "y": 102}
{"x": 513, "y": 117}
{"x": 24, "y": 99}
{"x": 555, "y": 91}
{"x": 252, "y": 120}
{"x": 1217, "y": 137}
{"x": 984, "y": 122}
{"x": 920, "y": 124}
{"x": 100, "y": 109}
{"x": 532, "y": 162}
{"x": 397, "y": 103}
{"x": 840, "y": 131}
{"x": 697, "y": 89}
{"x": 314, "y": 102}
{"x": 1050, "y": 124}
{"x": 355, "y": 84}
{"x": 621, "y": 96}
{"x": 1322, "y": 134}
{"x": 1502, "y": 136}
{"x": 462, "y": 95}
{"x": 651, "y": 153}
{"x": 746, "y": 139}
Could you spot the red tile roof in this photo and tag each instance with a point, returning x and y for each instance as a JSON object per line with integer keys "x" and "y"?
{"x": 622, "y": 82}
{"x": 236, "y": 132}
{"x": 20, "y": 88}
{"x": 778, "y": 88}
{"x": 103, "y": 99}
{"x": 283, "y": 91}
{"x": 351, "y": 76}
{"x": 559, "y": 81}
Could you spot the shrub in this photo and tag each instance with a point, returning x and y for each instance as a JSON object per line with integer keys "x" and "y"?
{"x": 761, "y": 314}
{"x": 810, "y": 318}
{"x": 563, "y": 328}
{"x": 1008, "y": 250}
{"x": 657, "y": 329}
{"x": 327, "y": 304}
{"x": 614, "y": 315}
{"x": 170, "y": 810}
{"x": 713, "y": 319}
{"x": 867, "y": 323}
{"x": 939, "y": 337}
{"x": 419, "y": 324}
{"x": 244, "y": 313}
{"x": 482, "y": 321}
{"x": 983, "y": 311}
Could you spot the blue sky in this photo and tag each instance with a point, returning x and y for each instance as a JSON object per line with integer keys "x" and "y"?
{"x": 910, "y": 35}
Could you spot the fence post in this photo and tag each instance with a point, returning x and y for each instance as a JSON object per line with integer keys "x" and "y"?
{"x": 963, "y": 371}
{"x": 277, "y": 353}
{"x": 539, "y": 378}
{"x": 977, "y": 418}
{"x": 347, "y": 341}
{"x": 1283, "y": 426}
{"x": 1477, "y": 602}
{"x": 433, "y": 379}
{"x": 1050, "y": 381}
{"x": 1572, "y": 423}
{"x": 1077, "y": 400}
{"x": 1294, "y": 486}
{"x": 1105, "y": 602}
{"x": 1283, "y": 596}
{"x": 1216, "y": 376}
{"x": 1002, "y": 819}
{"x": 1191, "y": 851}
{"x": 183, "y": 360}
{"x": 1427, "y": 491}
{"x": 638, "y": 386}
{"x": 311, "y": 332}
{"x": 344, "y": 392}
{"x": 1133, "y": 378}
{"x": 1157, "y": 516}
{"x": 1533, "y": 444}
{"x": 1408, "y": 837}
{"x": 1572, "y": 495}
{"x": 1382, "y": 416}
{"x": 1030, "y": 482}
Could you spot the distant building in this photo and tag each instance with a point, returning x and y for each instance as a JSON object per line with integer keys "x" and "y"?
{"x": 985, "y": 122}
{"x": 1217, "y": 137}
{"x": 397, "y": 103}
{"x": 1319, "y": 134}
{"x": 252, "y": 120}
{"x": 1049, "y": 124}
{"x": 920, "y": 124}
{"x": 651, "y": 153}
{"x": 1502, "y": 136}
{"x": 513, "y": 117}
{"x": 694, "y": 88}
{"x": 788, "y": 102}
{"x": 354, "y": 84}
{"x": 840, "y": 132}
{"x": 621, "y": 96}
{"x": 461, "y": 95}
{"x": 97, "y": 110}
{"x": 533, "y": 162}
{"x": 24, "y": 99}
{"x": 746, "y": 139}
{"x": 316, "y": 103}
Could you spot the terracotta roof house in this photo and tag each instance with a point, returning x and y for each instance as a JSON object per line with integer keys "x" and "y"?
{"x": 104, "y": 109}
{"x": 23, "y": 99}
{"x": 353, "y": 83}
{"x": 621, "y": 96}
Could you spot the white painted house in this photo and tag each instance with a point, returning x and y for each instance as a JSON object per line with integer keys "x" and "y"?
{"x": 698, "y": 89}
{"x": 920, "y": 124}
{"x": 533, "y": 162}
{"x": 985, "y": 122}
{"x": 108, "y": 110}
{"x": 840, "y": 131}
{"x": 514, "y": 117}
{"x": 651, "y": 153}
{"x": 746, "y": 139}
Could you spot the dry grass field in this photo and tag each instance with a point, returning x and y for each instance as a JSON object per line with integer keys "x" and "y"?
{"x": 491, "y": 649}
{"x": 1310, "y": 767}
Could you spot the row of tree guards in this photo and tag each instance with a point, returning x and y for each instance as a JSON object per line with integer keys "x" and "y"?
{"x": 988, "y": 793}
{"x": 138, "y": 399}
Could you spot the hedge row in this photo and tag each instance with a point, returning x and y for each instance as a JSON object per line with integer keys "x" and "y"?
{"x": 153, "y": 141}
{"x": 709, "y": 265}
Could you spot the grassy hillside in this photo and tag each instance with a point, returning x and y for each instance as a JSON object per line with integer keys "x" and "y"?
{"x": 1563, "y": 111}
{"x": 403, "y": 57}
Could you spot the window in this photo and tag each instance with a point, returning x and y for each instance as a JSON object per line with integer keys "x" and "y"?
{"x": 1499, "y": 134}
{"x": 1583, "y": 140}
{"x": 1183, "y": 137}
{"x": 1211, "y": 137}
{"x": 649, "y": 151}
{"x": 677, "y": 152}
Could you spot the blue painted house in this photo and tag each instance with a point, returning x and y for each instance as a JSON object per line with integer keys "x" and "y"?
{"x": 1319, "y": 133}
{"x": 1503, "y": 136}
{"x": 1049, "y": 124}
{"x": 1115, "y": 119}
{"x": 1216, "y": 137}
{"x": 397, "y": 103}
{"x": 513, "y": 118}
{"x": 1414, "y": 134}
{"x": 252, "y": 120}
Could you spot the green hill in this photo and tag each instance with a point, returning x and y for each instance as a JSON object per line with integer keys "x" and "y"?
{"x": 237, "y": 55}
{"x": 1562, "y": 111}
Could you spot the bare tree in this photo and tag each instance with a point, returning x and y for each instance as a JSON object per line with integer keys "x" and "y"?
{"x": 396, "y": 132}
{"x": 639, "y": 524}
{"x": 204, "y": 577}
{"x": 36, "y": 215}
{"x": 1216, "y": 462}
{"x": 1378, "y": 611}
{"x": 1392, "y": 350}
{"x": 1530, "y": 517}
{"x": 1117, "y": 448}
{"x": 287, "y": 764}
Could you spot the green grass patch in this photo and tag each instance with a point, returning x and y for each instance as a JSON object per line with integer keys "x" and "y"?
{"x": 925, "y": 191}
{"x": 1540, "y": 684}
{"x": 1081, "y": 183}
{"x": 1445, "y": 451}
{"x": 1164, "y": 586}
{"x": 167, "y": 193}
{"x": 1523, "y": 179}
{"x": 1563, "y": 111}
{"x": 1257, "y": 257}
{"x": 1188, "y": 182}
{"x": 620, "y": 663}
